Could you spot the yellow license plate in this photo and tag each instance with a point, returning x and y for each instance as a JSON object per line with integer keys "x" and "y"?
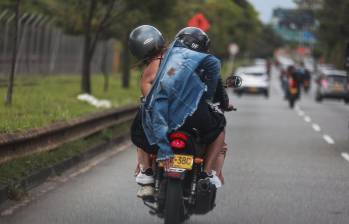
{"x": 338, "y": 88}
{"x": 182, "y": 162}
{"x": 253, "y": 89}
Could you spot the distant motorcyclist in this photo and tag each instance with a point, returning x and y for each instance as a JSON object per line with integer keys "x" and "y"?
{"x": 293, "y": 85}
{"x": 304, "y": 77}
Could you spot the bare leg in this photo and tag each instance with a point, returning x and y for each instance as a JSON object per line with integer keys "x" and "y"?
{"x": 218, "y": 167}
{"x": 143, "y": 160}
{"x": 213, "y": 151}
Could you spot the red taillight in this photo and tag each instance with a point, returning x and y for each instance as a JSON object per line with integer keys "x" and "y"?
{"x": 178, "y": 140}
{"x": 179, "y": 135}
{"x": 324, "y": 83}
{"x": 177, "y": 144}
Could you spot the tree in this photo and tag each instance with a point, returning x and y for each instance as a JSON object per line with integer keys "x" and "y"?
{"x": 137, "y": 13}
{"x": 269, "y": 40}
{"x": 92, "y": 18}
{"x": 333, "y": 31}
{"x": 8, "y": 100}
{"x": 231, "y": 21}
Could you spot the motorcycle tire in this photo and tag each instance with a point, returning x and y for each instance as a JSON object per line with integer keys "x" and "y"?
{"x": 318, "y": 98}
{"x": 291, "y": 103}
{"x": 174, "y": 204}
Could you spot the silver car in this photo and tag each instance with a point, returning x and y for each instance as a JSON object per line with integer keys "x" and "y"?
{"x": 332, "y": 84}
{"x": 255, "y": 80}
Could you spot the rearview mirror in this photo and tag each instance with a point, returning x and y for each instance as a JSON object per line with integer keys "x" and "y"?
{"x": 233, "y": 81}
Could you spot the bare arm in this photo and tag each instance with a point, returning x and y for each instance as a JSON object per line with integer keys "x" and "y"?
{"x": 148, "y": 76}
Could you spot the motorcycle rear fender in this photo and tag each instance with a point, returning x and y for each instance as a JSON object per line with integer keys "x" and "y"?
{"x": 175, "y": 173}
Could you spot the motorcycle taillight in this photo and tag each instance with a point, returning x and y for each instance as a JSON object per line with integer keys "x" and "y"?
{"x": 324, "y": 83}
{"x": 179, "y": 135}
{"x": 178, "y": 140}
{"x": 177, "y": 144}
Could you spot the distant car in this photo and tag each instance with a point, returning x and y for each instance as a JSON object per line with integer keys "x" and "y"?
{"x": 260, "y": 61}
{"x": 332, "y": 84}
{"x": 254, "y": 80}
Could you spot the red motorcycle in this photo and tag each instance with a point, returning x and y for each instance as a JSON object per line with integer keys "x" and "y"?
{"x": 293, "y": 91}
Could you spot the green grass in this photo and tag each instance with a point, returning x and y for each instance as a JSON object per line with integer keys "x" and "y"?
{"x": 15, "y": 170}
{"x": 53, "y": 98}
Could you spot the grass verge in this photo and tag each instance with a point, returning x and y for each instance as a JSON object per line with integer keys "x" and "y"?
{"x": 41, "y": 100}
{"x": 12, "y": 172}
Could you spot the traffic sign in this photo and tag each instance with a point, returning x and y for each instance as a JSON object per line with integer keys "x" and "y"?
{"x": 199, "y": 21}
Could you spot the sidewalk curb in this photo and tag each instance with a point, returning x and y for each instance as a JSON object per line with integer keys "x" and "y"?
{"x": 38, "y": 177}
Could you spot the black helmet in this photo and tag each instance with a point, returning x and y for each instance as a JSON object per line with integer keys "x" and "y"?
{"x": 194, "y": 38}
{"x": 145, "y": 42}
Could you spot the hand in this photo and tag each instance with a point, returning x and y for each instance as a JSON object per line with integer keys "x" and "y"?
{"x": 230, "y": 108}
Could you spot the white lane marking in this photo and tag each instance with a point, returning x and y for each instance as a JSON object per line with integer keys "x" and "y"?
{"x": 345, "y": 156}
{"x": 301, "y": 113}
{"x": 307, "y": 119}
{"x": 328, "y": 139}
{"x": 316, "y": 127}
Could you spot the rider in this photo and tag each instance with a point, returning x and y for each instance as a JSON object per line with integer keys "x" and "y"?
{"x": 147, "y": 44}
{"x": 293, "y": 80}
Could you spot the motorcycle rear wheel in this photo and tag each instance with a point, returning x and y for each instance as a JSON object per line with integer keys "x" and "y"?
{"x": 291, "y": 102}
{"x": 174, "y": 206}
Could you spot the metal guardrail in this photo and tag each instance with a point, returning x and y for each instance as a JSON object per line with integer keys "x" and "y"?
{"x": 48, "y": 138}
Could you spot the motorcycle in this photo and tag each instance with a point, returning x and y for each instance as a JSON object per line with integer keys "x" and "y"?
{"x": 293, "y": 92}
{"x": 179, "y": 192}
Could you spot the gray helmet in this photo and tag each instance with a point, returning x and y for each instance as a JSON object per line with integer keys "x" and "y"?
{"x": 145, "y": 42}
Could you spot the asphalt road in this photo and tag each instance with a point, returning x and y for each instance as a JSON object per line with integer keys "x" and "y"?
{"x": 283, "y": 166}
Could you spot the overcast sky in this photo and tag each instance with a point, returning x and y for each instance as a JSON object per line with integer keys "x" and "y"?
{"x": 265, "y": 7}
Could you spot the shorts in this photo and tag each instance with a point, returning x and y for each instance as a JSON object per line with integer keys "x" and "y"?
{"x": 138, "y": 136}
{"x": 207, "y": 122}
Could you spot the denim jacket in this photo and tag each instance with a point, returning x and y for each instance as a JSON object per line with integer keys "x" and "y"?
{"x": 174, "y": 96}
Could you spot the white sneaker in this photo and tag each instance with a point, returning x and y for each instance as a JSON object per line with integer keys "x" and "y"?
{"x": 215, "y": 180}
{"x": 145, "y": 191}
{"x": 145, "y": 177}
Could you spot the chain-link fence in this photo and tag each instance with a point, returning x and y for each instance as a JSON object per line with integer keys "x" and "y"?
{"x": 44, "y": 49}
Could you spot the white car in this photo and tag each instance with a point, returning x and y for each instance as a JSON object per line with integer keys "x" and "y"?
{"x": 254, "y": 80}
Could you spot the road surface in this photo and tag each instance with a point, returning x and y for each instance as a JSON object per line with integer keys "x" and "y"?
{"x": 283, "y": 166}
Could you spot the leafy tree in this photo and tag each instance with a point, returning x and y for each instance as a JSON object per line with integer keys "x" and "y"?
{"x": 230, "y": 20}
{"x": 266, "y": 42}
{"x": 137, "y": 13}
{"x": 92, "y": 18}
{"x": 333, "y": 31}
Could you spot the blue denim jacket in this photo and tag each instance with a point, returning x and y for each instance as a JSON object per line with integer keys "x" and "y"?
{"x": 175, "y": 95}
